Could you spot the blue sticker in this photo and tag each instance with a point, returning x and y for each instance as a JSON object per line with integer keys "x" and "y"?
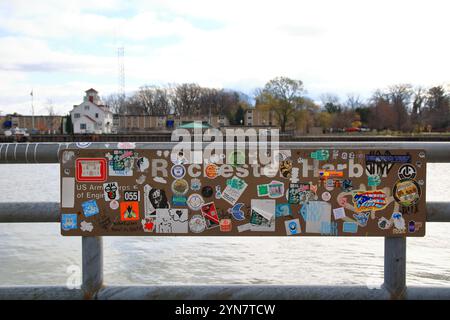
{"x": 283, "y": 210}
{"x": 179, "y": 201}
{"x": 362, "y": 218}
{"x": 237, "y": 212}
{"x": 90, "y": 208}
{"x": 350, "y": 227}
{"x": 69, "y": 221}
{"x": 328, "y": 228}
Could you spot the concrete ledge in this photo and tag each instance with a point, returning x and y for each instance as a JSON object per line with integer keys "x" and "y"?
{"x": 39, "y": 293}
{"x": 241, "y": 292}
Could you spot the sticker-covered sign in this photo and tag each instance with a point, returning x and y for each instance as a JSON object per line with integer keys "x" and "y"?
{"x": 304, "y": 192}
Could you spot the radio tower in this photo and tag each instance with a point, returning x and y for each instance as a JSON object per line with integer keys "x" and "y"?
{"x": 121, "y": 70}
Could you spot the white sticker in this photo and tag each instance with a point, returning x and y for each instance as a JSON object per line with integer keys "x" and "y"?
{"x": 68, "y": 193}
{"x": 339, "y": 213}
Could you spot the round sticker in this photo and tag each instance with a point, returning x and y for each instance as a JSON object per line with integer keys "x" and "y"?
{"x": 114, "y": 204}
{"x": 195, "y": 201}
{"x": 180, "y": 187}
{"x": 197, "y": 224}
{"x": 407, "y": 171}
{"x": 178, "y": 171}
{"x": 83, "y": 144}
{"x": 207, "y": 191}
{"x": 407, "y": 192}
{"x": 326, "y": 196}
{"x": 212, "y": 171}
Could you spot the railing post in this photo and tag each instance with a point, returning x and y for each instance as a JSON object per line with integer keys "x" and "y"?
{"x": 395, "y": 266}
{"x": 92, "y": 260}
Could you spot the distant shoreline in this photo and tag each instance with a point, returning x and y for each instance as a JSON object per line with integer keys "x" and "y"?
{"x": 166, "y": 137}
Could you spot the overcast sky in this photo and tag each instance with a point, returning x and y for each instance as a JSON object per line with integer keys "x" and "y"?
{"x": 58, "y": 48}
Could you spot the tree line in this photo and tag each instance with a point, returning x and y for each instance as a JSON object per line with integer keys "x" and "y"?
{"x": 187, "y": 99}
{"x": 400, "y": 107}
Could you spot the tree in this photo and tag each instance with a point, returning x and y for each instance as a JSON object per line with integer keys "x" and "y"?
{"x": 155, "y": 101}
{"x": 239, "y": 116}
{"x": 400, "y": 96}
{"x": 284, "y": 95}
{"x": 186, "y": 99}
{"x": 69, "y": 124}
{"x": 331, "y": 103}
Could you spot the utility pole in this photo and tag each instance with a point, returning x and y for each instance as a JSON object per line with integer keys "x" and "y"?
{"x": 32, "y": 110}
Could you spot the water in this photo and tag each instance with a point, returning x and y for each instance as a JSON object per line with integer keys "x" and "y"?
{"x": 36, "y": 254}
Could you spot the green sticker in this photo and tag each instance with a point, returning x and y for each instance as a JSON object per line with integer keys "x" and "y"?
{"x": 320, "y": 154}
{"x": 263, "y": 190}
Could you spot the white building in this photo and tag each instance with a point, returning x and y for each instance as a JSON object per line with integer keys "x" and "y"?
{"x": 91, "y": 116}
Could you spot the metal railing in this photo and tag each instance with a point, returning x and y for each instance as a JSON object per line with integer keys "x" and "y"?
{"x": 394, "y": 286}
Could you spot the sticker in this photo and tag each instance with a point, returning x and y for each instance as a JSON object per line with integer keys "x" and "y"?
{"x": 422, "y": 154}
{"x": 399, "y": 222}
{"x": 68, "y": 157}
{"x": 209, "y": 212}
{"x": 320, "y": 154}
{"x": 160, "y": 180}
{"x": 148, "y": 224}
{"x": 178, "y": 171}
{"x": 218, "y": 194}
{"x": 328, "y": 228}
{"x": 326, "y": 196}
{"x": 179, "y": 201}
{"x": 68, "y": 192}
{"x": 90, "y": 208}
{"x": 69, "y": 221}
{"x": 362, "y": 218}
{"x": 142, "y": 164}
{"x": 90, "y": 169}
{"x": 350, "y": 227}
{"x": 83, "y": 145}
{"x": 141, "y": 179}
{"x": 407, "y": 171}
{"x": 172, "y": 220}
{"x": 180, "y": 186}
{"x": 369, "y": 200}
{"x": 114, "y": 204}
{"x": 263, "y": 190}
{"x": 283, "y": 210}
{"x": 131, "y": 196}
{"x": 207, "y": 191}
{"x": 111, "y": 191}
{"x": 292, "y": 227}
{"x": 339, "y": 213}
{"x": 211, "y": 171}
{"x": 414, "y": 226}
{"x": 407, "y": 192}
{"x": 286, "y": 168}
{"x": 225, "y": 225}
{"x": 373, "y": 180}
{"x": 196, "y": 184}
{"x": 384, "y": 224}
{"x": 315, "y": 213}
{"x": 276, "y": 189}
{"x": 234, "y": 189}
{"x": 129, "y": 211}
{"x": 86, "y": 226}
{"x": 126, "y": 145}
{"x": 197, "y": 224}
{"x": 244, "y": 227}
{"x": 154, "y": 199}
{"x": 262, "y": 217}
{"x": 120, "y": 163}
{"x": 177, "y": 158}
{"x": 237, "y": 212}
{"x": 329, "y": 185}
{"x": 195, "y": 201}
{"x": 347, "y": 185}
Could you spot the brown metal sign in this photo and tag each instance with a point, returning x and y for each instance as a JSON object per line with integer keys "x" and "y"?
{"x": 317, "y": 192}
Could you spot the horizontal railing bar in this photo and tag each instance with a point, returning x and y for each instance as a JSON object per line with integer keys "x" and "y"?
{"x": 243, "y": 292}
{"x": 23, "y": 212}
{"x": 39, "y": 293}
{"x": 48, "y": 152}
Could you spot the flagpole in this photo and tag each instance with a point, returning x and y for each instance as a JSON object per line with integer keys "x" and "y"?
{"x": 32, "y": 110}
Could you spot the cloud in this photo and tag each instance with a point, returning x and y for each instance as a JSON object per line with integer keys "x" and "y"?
{"x": 62, "y": 48}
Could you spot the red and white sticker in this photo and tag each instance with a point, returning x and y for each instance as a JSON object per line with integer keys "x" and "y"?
{"x": 90, "y": 169}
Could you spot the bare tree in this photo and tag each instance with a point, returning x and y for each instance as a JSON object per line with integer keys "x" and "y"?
{"x": 186, "y": 99}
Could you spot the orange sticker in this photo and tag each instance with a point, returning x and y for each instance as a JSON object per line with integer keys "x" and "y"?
{"x": 129, "y": 211}
{"x": 211, "y": 171}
